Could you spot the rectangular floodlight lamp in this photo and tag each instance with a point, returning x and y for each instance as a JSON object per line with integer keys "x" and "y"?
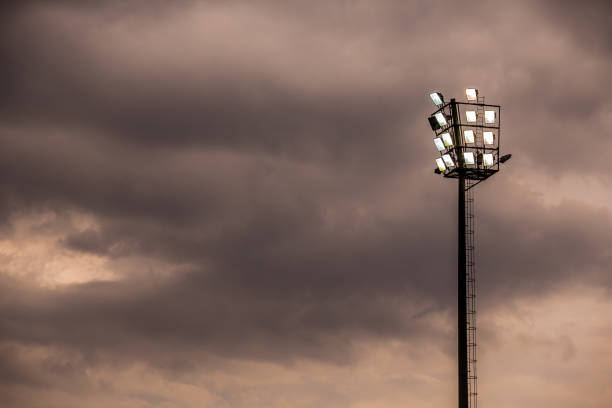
{"x": 433, "y": 123}
{"x": 437, "y": 98}
{"x": 471, "y": 94}
{"x": 469, "y": 136}
{"x": 439, "y": 144}
{"x": 440, "y": 164}
{"x": 487, "y": 159}
{"x": 490, "y": 116}
{"x": 447, "y": 139}
{"x": 468, "y": 157}
{"x": 488, "y": 138}
{"x": 440, "y": 118}
{"x": 470, "y": 116}
{"x": 448, "y": 160}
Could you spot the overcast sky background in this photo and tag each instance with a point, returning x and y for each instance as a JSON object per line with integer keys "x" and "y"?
{"x": 232, "y": 204}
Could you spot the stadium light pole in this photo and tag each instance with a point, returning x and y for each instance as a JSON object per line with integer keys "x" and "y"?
{"x": 469, "y": 152}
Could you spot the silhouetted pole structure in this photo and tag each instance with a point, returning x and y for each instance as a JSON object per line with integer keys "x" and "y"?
{"x": 461, "y": 271}
{"x": 469, "y": 152}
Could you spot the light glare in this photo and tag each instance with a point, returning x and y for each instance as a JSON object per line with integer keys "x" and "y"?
{"x": 448, "y": 140}
{"x": 488, "y": 137}
{"x": 471, "y": 94}
{"x": 487, "y": 159}
{"x": 469, "y": 136}
{"x": 437, "y": 98}
{"x": 440, "y": 118}
{"x": 490, "y": 116}
{"x": 468, "y": 157}
{"x": 448, "y": 160}
{"x": 470, "y": 116}
{"x": 439, "y": 144}
{"x": 440, "y": 164}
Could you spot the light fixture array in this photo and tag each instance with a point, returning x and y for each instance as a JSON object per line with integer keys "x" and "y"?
{"x": 476, "y": 147}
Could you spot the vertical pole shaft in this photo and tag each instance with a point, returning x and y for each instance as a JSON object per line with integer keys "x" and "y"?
{"x": 461, "y": 268}
{"x": 461, "y": 298}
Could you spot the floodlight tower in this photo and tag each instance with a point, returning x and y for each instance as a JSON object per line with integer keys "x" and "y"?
{"x": 469, "y": 152}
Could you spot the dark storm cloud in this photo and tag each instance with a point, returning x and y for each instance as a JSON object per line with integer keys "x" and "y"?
{"x": 151, "y": 101}
{"x": 278, "y": 157}
{"x": 194, "y": 312}
{"x": 587, "y": 22}
{"x": 529, "y": 248}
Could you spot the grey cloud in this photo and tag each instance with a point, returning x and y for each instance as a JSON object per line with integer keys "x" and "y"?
{"x": 586, "y": 23}
{"x": 86, "y": 241}
{"x": 285, "y": 173}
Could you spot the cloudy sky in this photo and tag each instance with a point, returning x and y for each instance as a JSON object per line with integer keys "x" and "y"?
{"x": 232, "y": 204}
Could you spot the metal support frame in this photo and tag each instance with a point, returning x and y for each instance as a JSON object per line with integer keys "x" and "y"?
{"x": 468, "y": 176}
{"x": 454, "y": 126}
{"x": 461, "y": 271}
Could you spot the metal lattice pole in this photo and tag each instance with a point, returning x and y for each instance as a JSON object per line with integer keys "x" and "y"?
{"x": 462, "y": 335}
{"x": 469, "y": 152}
{"x": 470, "y": 296}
